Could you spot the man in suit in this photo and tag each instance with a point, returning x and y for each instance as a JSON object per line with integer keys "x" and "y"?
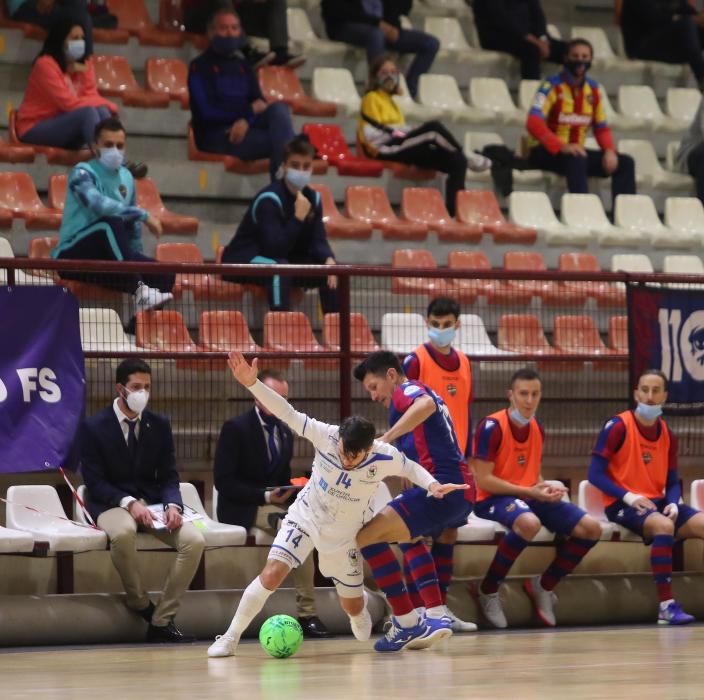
{"x": 128, "y": 462}
{"x": 253, "y": 455}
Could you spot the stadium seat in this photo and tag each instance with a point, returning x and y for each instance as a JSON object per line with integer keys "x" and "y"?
{"x": 526, "y": 94}
{"x": 441, "y": 93}
{"x": 696, "y": 494}
{"x": 585, "y": 212}
{"x": 289, "y": 331}
{"x": 15, "y": 541}
{"x": 649, "y": 172}
{"x": 606, "y": 294}
{"x": 6, "y": 248}
{"x": 640, "y": 102}
{"x": 216, "y": 534}
{"x": 15, "y": 154}
{"x": 683, "y": 265}
{"x": 371, "y": 205}
{"x": 36, "y": 509}
{"x": 604, "y": 55}
{"x": 194, "y": 153}
{"x": 421, "y": 260}
{"x": 589, "y": 499}
{"x": 473, "y": 339}
{"x": 481, "y": 207}
{"x": 301, "y": 33}
{"x": 618, "y": 334}
{"x": 631, "y": 262}
{"x": 133, "y": 16}
{"x": 425, "y": 206}
{"x": 336, "y": 85}
{"x": 547, "y": 290}
{"x": 361, "y": 338}
{"x": 492, "y": 95}
{"x": 476, "y": 141}
{"x": 282, "y": 83}
{"x": 231, "y": 163}
{"x": 403, "y": 171}
{"x": 533, "y": 210}
{"x": 522, "y": 333}
{"x": 56, "y": 194}
{"x": 168, "y": 76}
{"x": 223, "y": 331}
{"x": 17, "y": 194}
{"x": 618, "y": 120}
{"x": 466, "y": 290}
{"x": 331, "y": 146}
{"x": 578, "y": 334}
{"x": 163, "y": 331}
{"x": 403, "y": 333}
{"x": 115, "y": 79}
{"x": 5, "y": 219}
{"x": 412, "y": 111}
{"x": 671, "y": 155}
{"x": 681, "y": 104}
{"x": 454, "y": 44}
{"x": 637, "y": 213}
{"x": 41, "y": 247}
{"x": 685, "y": 215}
{"x": 476, "y": 530}
{"x": 148, "y": 198}
{"x": 337, "y": 225}
{"x": 102, "y": 331}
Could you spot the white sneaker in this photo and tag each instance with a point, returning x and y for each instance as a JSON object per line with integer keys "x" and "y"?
{"x": 146, "y": 298}
{"x": 478, "y": 163}
{"x": 543, "y": 601}
{"x": 459, "y": 625}
{"x": 362, "y": 626}
{"x": 492, "y": 610}
{"x": 222, "y": 646}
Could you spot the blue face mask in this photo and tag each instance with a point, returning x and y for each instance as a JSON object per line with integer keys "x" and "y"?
{"x": 442, "y": 337}
{"x": 518, "y": 417}
{"x": 75, "y": 49}
{"x": 227, "y": 45}
{"x": 111, "y": 158}
{"x": 298, "y": 179}
{"x": 648, "y": 412}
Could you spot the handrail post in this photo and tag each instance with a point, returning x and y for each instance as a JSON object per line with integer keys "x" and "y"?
{"x": 343, "y": 292}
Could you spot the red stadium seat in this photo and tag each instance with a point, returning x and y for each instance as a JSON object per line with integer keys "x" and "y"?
{"x": 30, "y": 31}
{"x": 290, "y": 331}
{"x": 224, "y": 331}
{"x": 578, "y": 334}
{"x": 331, "y": 146}
{"x": 163, "y": 331}
{"x": 402, "y": 171}
{"x": 282, "y": 83}
{"x": 195, "y": 154}
{"x": 481, "y": 207}
{"x": 17, "y": 194}
{"x": 371, "y": 205}
{"x": 467, "y": 289}
{"x": 522, "y": 333}
{"x": 57, "y": 191}
{"x": 361, "y": 338}
{"x": 6, "y": 219}
{"x": 15, "y": 154}
{"x": 40, "y": 248}
{"x": 133, "y": 16}
{"x": 337, "y": 225}
{"x": 547, "y": 290}
{"x": 426, "y": 206}
{"x": 168, "y": 76}
{"x": 605, "y": 293}
{"x": 115, "y": 79}
{"x": 148, "y": 198}
{"x": 618, "y": 334}
{"x": 421, "y": 260}
{"x": 232, "y": 164}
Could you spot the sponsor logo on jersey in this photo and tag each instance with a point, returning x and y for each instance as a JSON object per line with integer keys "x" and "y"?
{"x": 323, "y": 484}
{"x": 574, "y": 119}
{"x": 647, "y": 457}
{"x": 411, "y": 390}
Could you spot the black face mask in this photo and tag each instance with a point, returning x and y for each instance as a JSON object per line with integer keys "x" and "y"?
{"x": 573, "y": 66}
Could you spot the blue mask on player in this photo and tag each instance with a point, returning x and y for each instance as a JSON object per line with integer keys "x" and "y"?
{"x": 442, "y": 337}
{"x": 298, "y": 179}
{"x": 648, "y": 412}
{"x": 517, "y": 417}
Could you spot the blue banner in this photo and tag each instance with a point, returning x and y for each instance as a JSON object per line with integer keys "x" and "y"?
{"x": 666, "y": 332}
{"x": 42, "y": 380}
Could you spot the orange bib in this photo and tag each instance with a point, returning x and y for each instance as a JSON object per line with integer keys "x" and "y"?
{"x": 516, "y": 462}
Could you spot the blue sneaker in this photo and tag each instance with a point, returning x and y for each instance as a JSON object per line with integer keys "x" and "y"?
{"x": 674, "y": 615}
{"x": 437, "y": 629}
{"x": 397, "y": 638}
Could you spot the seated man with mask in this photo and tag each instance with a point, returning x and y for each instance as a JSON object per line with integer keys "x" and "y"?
{"x": 284, "y": 225}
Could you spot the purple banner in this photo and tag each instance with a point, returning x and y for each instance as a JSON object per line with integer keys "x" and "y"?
{"x": 666, "y": 332}
{"x": 42, "y": 381}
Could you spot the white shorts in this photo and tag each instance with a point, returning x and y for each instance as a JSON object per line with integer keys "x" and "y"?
{"x": 294, "y": 543}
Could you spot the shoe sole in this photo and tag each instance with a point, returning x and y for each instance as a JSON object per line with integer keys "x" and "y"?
{"x": 158, "y": 306}
{"x": 528, "y": 588}
{"x": 675, "y": 624}
{"x": 428, "y": 640}
{"x": 465, "y": 628}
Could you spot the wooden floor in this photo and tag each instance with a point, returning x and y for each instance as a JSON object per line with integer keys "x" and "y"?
{"x": 569, "y": 664}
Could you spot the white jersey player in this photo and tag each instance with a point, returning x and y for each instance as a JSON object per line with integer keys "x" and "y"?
{"x": 348, "y": 466}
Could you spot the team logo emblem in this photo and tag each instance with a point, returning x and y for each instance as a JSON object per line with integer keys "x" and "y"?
{"x": 647, "y": 457}
{"x": 451, "y": 389}
{"x": 371, "y": 472}
{"x": 521, "y": 459}
{"x": 511, "y": 507}
{"x": 123, "y": 191}
{"x": 353, "y": 559}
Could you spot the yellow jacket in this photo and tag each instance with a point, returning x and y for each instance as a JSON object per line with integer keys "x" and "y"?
{"x": 381, "y": 107}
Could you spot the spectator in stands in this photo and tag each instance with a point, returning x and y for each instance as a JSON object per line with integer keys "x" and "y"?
{"x": 128, "y": 464}
{"x": 518, "y": 27}
{"x": 284, "y": 225}
{"x": 102, "y": 222}
{"x": 61, "y": 105}
{"x": 689, "y": 158}
{"x": 230, "y": 115}
{"x": 47, "y": 13}
{"x": 383, "y": 134}
{"x": 375, "y": 26}
{"x": 564, "y": 107}
{"x": 663, "y": 30}
{"x": 634, "y": 464}
{"x": 253, "y": 455}
{"x": 507, "y": 461}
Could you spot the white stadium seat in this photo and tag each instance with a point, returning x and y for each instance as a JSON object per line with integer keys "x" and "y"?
{"x": 533, "y": 210}
{"x": 336, "y": 85}
{"x": 492, "y": 95}
{"x": 618, "y": 120}
{"x": 685, "y": 215}
{"x": 442, "y": 93}
{"x": 649, "y": 172}
{"x": 473, "y": 339}
{"x": 637, "y": 213}
{"x": 402, "y": 333}
{"x": 671, "y": 155}
{"x": 526, "y": 93}
{"x": 301, "y": 32}
{"x": 696, "y": 494}
{"x": 216, "y": 534}
{"x": 15, "y": 541}
{"x": 682, "y": 104}
{"x": 631, "y": 262}
{"x": 639, "y": 101}
{"x": 454, "y": 43}
{"x": 683, "y": 264}
{"x": 604, "y": 55}
{"x": 411, "y": 109}
{"x": 586, "y": 212}
{"x": 102, "y": 331}
{"x": 589, "y": 500}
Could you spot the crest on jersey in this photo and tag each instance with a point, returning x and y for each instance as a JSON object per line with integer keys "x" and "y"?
{"x": 451, "y": 389}
{"x": 371, "y": 472}
{"x": 521, "y": 459}
{"x": 353, "y": 559}
{"x": 511, "y": 507}
{"x": 123, "y": 191}
{"x": 411, "y": 390}
{"x": 647, "y": 457}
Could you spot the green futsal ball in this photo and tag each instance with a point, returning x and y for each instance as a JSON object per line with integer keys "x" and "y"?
{"x": 280, "y": 636}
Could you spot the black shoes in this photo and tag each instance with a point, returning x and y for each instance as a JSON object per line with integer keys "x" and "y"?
{"x": 313, "y": 628}
{"x": 139, "y": 170}
{"x": 290, "y": 60}
{"x": 146, "y": 613}
{"x": 170, "y": 634}
{"x": 258, "y": 59}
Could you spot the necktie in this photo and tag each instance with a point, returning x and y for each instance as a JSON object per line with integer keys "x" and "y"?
{"x": 132, "y": 438}
{"x": 273, "y": 450}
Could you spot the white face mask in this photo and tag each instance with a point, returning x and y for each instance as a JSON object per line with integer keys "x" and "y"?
{"x": 136, "y": 400}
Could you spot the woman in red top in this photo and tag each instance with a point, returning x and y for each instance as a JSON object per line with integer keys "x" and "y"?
{"x": 61, "y": 105}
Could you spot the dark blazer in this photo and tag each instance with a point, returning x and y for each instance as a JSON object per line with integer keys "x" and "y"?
{"x": 241, "y": 468}
{"x": 107, "y": 467}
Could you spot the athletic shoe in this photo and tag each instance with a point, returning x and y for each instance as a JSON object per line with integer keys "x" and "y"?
{"x": 222, "y": 646}
{"x": 459, "y": 625}
{"x": 478, "y": 163}
{"x": 437, "y": 629}
{"x": 398, "y": 638}
{"x": 362, "y": 625}
{"x": 258, "y": 59}
{"x": 490, "y": 605}
{"x": 146, "y": 298}
{"x": 543, "y": 601}
{"x": 673, "y": 614}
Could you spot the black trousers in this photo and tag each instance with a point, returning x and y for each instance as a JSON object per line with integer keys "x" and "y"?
{"x": 433, "y": 147}
{"x": 526, "y": 52}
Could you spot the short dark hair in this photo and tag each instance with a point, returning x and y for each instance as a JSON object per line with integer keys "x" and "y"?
{"x": 223, "y": 8}
{"x": 377, "y": 363}
{"x": 108, "y": 124}
{"x": 357, "y": 434}
{"x": 299, "y": 145}
{"x": 128, "y": 367}
{"x": 443, "y": 306}
{"x": 580, "y": 41}
{"x": 655, "y": 372}
{"x": 271, "y": 374}
{"x": 525, "y": 374}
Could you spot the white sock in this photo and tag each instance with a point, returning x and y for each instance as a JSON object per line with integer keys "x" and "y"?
{"x": 665, "y": 603}
{"x": 362, "y": 624}
{"x": 253, "y": 600}
{"x": 408, "y": 620}
{"x": 437, "y": 612}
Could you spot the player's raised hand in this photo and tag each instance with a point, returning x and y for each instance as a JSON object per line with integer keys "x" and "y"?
{"x": 438, "y": 490}
{"x": 242, "y": 371}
